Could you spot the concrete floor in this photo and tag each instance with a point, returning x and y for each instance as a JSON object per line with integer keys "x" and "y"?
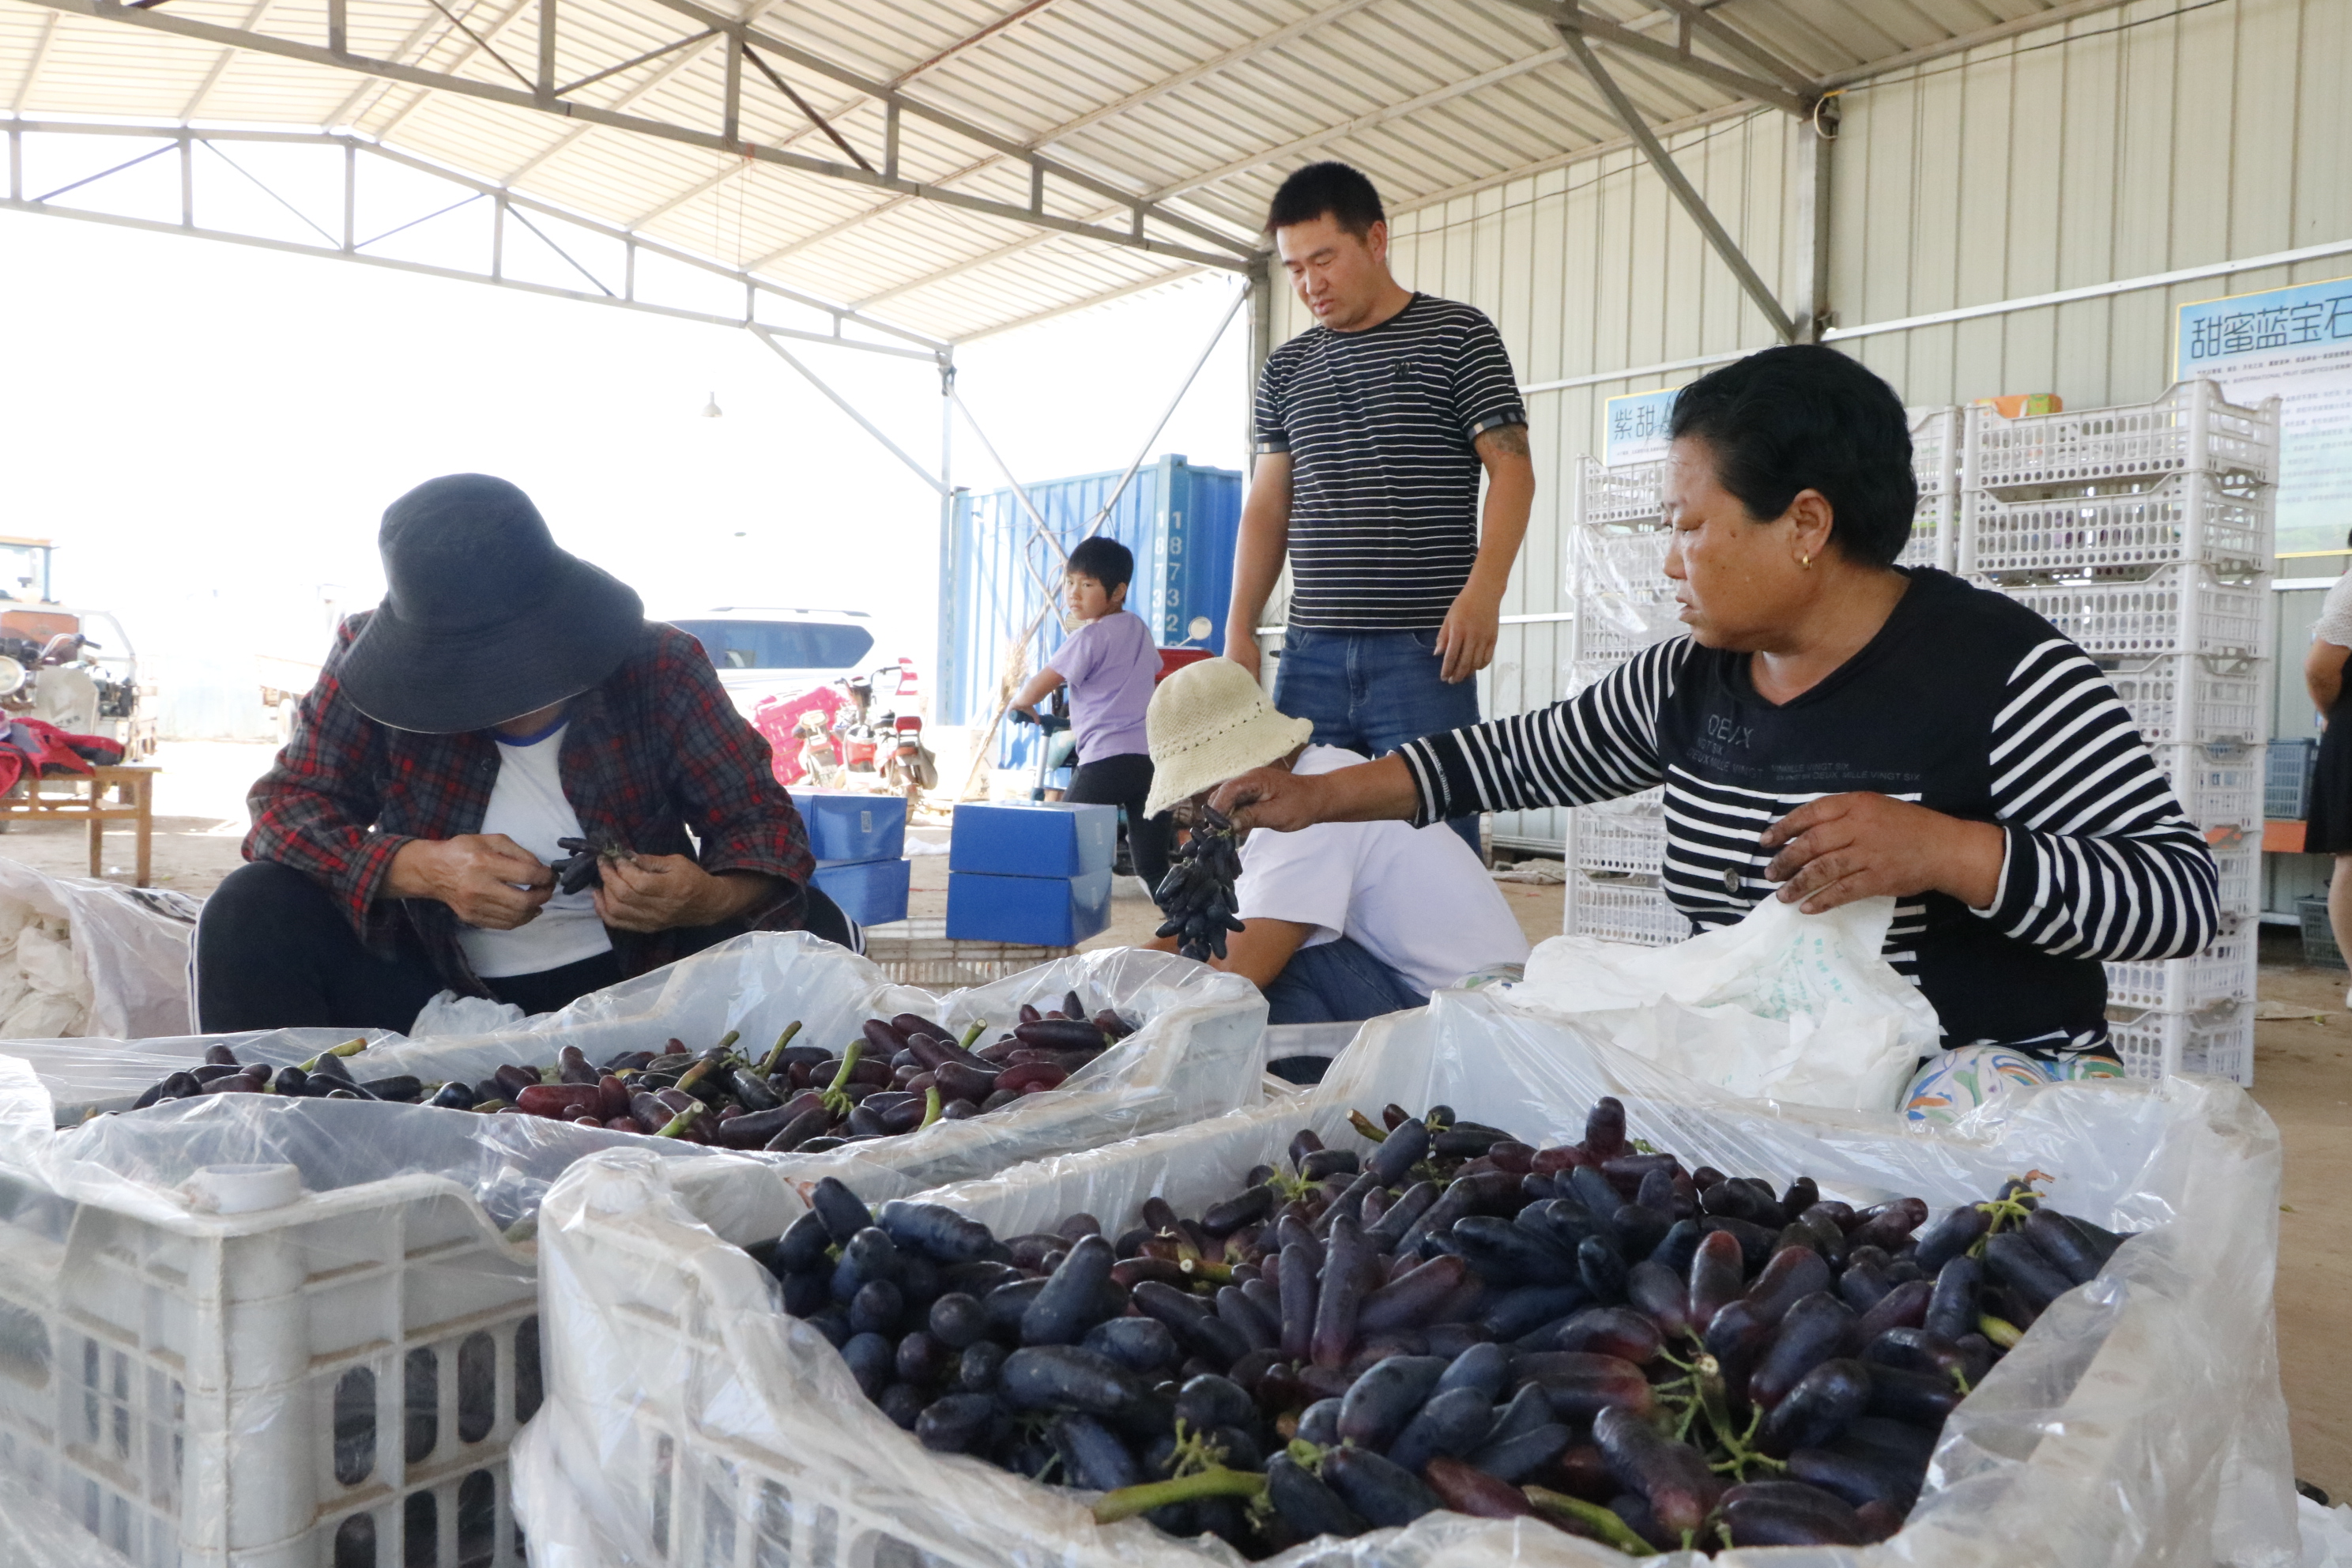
{"x": 2303, "y": 1074}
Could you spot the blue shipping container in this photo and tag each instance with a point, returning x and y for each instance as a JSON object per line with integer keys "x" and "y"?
{"x": 843, "y": 827}
{"x": 871, "y": 892}
{"x": 1039, "y": 911}
{"x": 1180, "y": 522}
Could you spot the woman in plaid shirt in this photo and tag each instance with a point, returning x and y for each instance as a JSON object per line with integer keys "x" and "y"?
{"x": 503, "y": 695}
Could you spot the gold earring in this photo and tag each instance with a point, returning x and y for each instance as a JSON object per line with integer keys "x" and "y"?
{"x": 1805, "y": 560}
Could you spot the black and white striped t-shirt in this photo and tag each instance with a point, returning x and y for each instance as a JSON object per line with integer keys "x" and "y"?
{"x": 1966, "y": 703}
{"x": 1384, "y": 477}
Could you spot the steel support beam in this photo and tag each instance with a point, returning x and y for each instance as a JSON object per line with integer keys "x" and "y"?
{"x": 1569, "y": 18}
{"x": 1698, "y": 18}
{"x": 1819, "y": 138}
{"x": 769, "y": 335}
{"x": 1229, "y": 255}
{"x": 1683, "y": 191}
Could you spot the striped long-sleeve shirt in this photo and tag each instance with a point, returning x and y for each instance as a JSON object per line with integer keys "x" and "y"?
{"x": 1964, "y": 703}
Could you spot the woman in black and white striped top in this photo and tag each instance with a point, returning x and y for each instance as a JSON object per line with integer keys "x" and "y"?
{"x": 1838, "y": 728}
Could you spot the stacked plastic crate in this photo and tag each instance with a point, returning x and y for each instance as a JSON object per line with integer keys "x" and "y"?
{"x": 2144, "y": 533}
{"x": 1622, "y": 601}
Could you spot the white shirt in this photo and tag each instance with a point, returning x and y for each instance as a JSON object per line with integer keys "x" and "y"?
{"x": 2335, "y": 622}
{"x": 1414, "y": 897}
{"x": 527, "y": 805}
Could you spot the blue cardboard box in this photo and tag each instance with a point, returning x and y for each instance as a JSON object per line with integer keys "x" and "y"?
{"x": 1044, "y": 838}
{"x": 1044, "y": 911}
{"x": 871, "y": 892}
{"x": 844, "y": 826}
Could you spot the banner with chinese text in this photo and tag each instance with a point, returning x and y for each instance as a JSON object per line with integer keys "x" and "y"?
{"x": 2294, "y": 344}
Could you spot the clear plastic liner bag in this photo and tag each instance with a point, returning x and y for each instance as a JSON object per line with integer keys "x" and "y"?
{"x": 1199, "y": 1052}
{"x": 85, "y": 1076}
{"x": 82, "y": 957}
{"x": 2140, "y": 1422}
{"x": 1798, "y": 1009}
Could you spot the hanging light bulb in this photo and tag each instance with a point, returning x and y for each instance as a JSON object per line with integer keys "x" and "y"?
{"x": 711, "y": 410}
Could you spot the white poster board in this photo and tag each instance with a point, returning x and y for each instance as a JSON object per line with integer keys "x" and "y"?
{"x": 2294, "y": 344}
{"x": 1633, "y": 426}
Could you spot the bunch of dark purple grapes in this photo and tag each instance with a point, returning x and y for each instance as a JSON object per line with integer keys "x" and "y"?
{"x": 1197, "y": 894}
{"x": 1591, "y": 1336}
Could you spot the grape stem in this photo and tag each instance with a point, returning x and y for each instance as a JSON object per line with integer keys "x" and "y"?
{"x": 1214, "y": 1481}
{"x": 931, "y": 1105}
{"x": 1611, "y": 1530}
{"x": 776, "y": 1057}
{"x": 835, "y": 1099}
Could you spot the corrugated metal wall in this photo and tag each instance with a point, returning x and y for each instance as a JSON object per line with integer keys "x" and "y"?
{"x": 2155, "y": 136}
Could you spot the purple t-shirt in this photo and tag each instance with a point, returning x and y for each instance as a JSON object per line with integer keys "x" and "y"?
{"x": 1110, "y": 665}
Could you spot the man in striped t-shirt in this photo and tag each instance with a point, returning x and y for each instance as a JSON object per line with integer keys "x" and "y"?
{"x": 1373, "y": 426}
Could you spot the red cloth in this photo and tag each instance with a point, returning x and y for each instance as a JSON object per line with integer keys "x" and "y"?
{"x": 780, "y": 720}
{"x": 46, "y": 747}
{"x": 656, "y": 748}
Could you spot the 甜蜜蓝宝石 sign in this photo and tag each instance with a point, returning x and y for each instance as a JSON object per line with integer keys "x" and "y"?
{"x": 2294, "y": 344}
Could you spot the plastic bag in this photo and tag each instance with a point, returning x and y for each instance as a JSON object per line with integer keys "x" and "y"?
{"x": 93, "y": 958}
{"x": 2138, "y": 1423}
{"x": 1200, "y": 1052}
{"x": 1784, "y": 1005}
{"x": 449, "y": 1014}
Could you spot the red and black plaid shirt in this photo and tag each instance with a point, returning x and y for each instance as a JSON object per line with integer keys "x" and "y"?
{"x": 655, "y": 750}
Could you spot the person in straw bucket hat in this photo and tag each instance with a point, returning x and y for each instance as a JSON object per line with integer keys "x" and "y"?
{"x": 1343, "y": 921}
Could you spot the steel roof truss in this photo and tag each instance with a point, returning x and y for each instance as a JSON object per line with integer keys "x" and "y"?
{"x": 1231, "y": 255}
{"x": 1683, "y": 191}
{"x": 1569, "y": 18}
{"x": 350, "y": 247}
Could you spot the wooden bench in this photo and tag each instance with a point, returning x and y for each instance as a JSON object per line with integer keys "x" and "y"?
{"x": 82, "y": 797}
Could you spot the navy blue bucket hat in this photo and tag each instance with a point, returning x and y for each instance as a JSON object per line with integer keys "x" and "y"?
{"x": 485, "y": 618}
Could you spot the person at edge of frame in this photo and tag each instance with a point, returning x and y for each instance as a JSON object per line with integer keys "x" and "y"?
{"x": 503, "y": 696}
{"x": 1373, "y": 428}
{"x": 2327, "y": 815}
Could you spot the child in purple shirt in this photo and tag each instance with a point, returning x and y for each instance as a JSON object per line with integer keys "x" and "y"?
{"x": 1110, "y": 666}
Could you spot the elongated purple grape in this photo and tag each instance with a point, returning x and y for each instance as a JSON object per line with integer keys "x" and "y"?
{"x": 1299, "y": 1299}
{"x": 1340, "y": 1295}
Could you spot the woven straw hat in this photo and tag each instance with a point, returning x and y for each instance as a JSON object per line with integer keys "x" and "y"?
{"x": 1210, "y": 721}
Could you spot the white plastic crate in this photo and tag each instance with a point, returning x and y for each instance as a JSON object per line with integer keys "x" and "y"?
{"x": 1623, "y": 910}
{"x": 1628, "y": 836}
{"x": 2188, "y": 701}
{"x": 2224, "y": 972}
{"x": 2102, "y": 529}
{"x": 332, "y": 1384}
{"x": 2178, "y": 610}
{"x": 2218, "y": 1040}
{"x": 1935, "y": 463}
{"x": 1623, "y": 600}
{"x": 2221, "y": 787}
{"x": 2190, "y": 427}
{"x": 1629, "y": 492}
{"x": 2239, "y": 863}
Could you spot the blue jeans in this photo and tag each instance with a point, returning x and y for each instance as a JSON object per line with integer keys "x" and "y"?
{"x": 1371, "y": 692}
{"x": 1338, "y": 982}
